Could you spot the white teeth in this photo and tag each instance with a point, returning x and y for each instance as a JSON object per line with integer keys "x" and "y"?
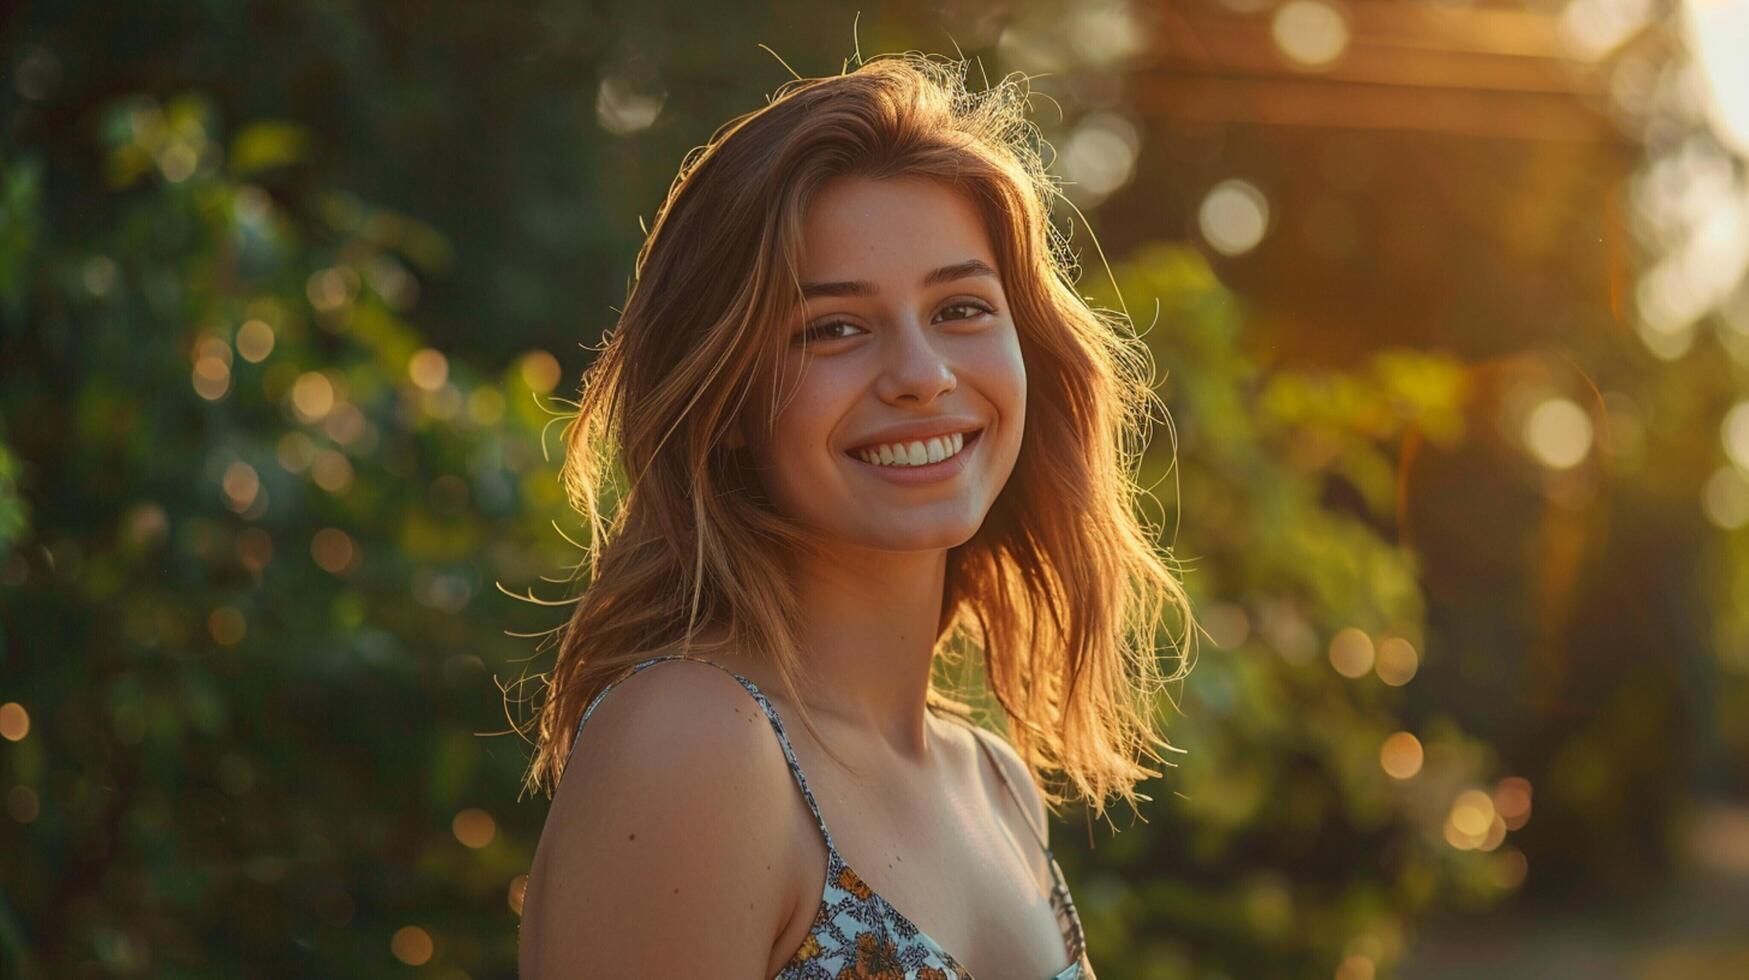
{"x": 916, "y": 452}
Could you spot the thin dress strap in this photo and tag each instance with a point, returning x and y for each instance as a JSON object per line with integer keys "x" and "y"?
{"x": 1060, "y": 897}
{"x": 789, "y": 753}
{"x": 983, "y": 738}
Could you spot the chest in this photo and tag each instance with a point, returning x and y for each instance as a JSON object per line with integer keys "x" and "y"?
{"x": 947, "y": 850}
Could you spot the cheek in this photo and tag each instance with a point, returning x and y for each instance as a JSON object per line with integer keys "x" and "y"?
{"x": 1006, "y": 386}
{"x": 1006, "y": 379}
{"x": 1019, "y": 373}
{"x": 810, "y": 409}
{"x": 801, "y": 437}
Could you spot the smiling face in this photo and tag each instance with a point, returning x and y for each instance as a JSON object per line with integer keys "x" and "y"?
{"x": 908, "y": 336}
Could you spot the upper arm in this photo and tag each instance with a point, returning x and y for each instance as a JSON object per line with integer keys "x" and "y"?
{"x": 665, "y": 852}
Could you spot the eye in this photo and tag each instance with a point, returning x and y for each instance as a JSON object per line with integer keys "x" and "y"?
{"x": 967, "y": 308}
{"x": 824, "y": 331}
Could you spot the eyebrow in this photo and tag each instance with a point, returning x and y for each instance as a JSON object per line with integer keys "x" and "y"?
{"x": 862, "y": 287}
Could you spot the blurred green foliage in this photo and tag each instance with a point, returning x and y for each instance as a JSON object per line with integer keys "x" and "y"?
{"x": 242, "y": 621}
{"x": 1288, "y": 847}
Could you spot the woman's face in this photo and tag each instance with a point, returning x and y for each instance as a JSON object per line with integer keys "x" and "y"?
{"x": 908, "y": 337}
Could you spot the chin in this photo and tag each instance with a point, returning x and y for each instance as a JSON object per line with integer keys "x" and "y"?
{"x": 921, "y": 539}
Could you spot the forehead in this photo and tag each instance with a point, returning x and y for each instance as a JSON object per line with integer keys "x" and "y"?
{"x": 898, "y": 228}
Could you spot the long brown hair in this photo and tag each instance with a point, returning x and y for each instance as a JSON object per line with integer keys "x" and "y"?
{"x": 1062, "y": 590}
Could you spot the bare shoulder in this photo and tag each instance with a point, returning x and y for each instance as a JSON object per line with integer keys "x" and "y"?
{"x": 667, "y": 850}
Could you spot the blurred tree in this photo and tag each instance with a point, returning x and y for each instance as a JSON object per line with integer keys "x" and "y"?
{"x": 262, "y": 509}
{"x": 1307, "y": 828}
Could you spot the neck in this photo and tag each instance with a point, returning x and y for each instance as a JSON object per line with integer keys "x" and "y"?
{"x": 868, "y": 641}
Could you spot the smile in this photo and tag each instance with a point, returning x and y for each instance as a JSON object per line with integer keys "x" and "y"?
{"x": 949, "y": 455}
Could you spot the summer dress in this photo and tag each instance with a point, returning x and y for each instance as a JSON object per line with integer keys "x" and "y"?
{"x": 857, "y": 933}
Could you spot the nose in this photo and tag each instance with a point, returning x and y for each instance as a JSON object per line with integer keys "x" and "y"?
{"x": 915, "y": 372}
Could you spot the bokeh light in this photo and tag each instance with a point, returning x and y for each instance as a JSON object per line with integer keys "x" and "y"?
{"x": 330, "y": 289}
{"x": 255, "y": 341}
{"x": 312, "y": 396}
{"x": 14, "y": 721}
{"x": 98, "y": 275}
{"x": 429, "y": 369}
{"x": 1396, "y": 661}
{"x": 242, "y": 484}
{"x": 540, "y": 371}
{"x": 1100, "y": 155}
{"x": 1734, "y": 434}
{"x": 1105, "y": 33}
{"x": 212, "y": 368}
{"x": 1473, "y": 824}
{"x": 1472, "y": 811}
{"x": 331, "y": 470}
{"x": 412, "y": 945}
{"x": 1509, "y": 868}
{"x": 623, "y": 110}
{"x": 333, "y": 550}
{"x": 474, "y": 827}
{"x": 1558, "y": 433}
{"x": 1724, "y": 498}
{"x": 295, "y": 452}
{"x": 1310, "y": 32}
{"x": 443, "y": 404}
{"x": 346, "y": 424}
{"x": 1401, "y": 756}
{"x": 1512, "y": 801}
{"x": 226, "y": 625}
{"x": 1227, "y": 624}
{"x": 1351, "y": 652}
{"x": 1233, "y": 217}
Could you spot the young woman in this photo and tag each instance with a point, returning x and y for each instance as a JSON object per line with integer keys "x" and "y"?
{"x": 862, "y": 417}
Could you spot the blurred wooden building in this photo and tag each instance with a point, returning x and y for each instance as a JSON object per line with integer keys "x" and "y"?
{"x": 1437, "y": 172}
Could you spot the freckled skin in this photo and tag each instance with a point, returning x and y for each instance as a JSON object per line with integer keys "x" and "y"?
{"x": 910, "y": 352}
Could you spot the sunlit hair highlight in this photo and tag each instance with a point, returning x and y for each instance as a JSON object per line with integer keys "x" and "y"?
{"x": 1063, "y": 592}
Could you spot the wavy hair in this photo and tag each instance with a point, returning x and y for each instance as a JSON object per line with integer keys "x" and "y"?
{"x": 1062, "y": 591}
